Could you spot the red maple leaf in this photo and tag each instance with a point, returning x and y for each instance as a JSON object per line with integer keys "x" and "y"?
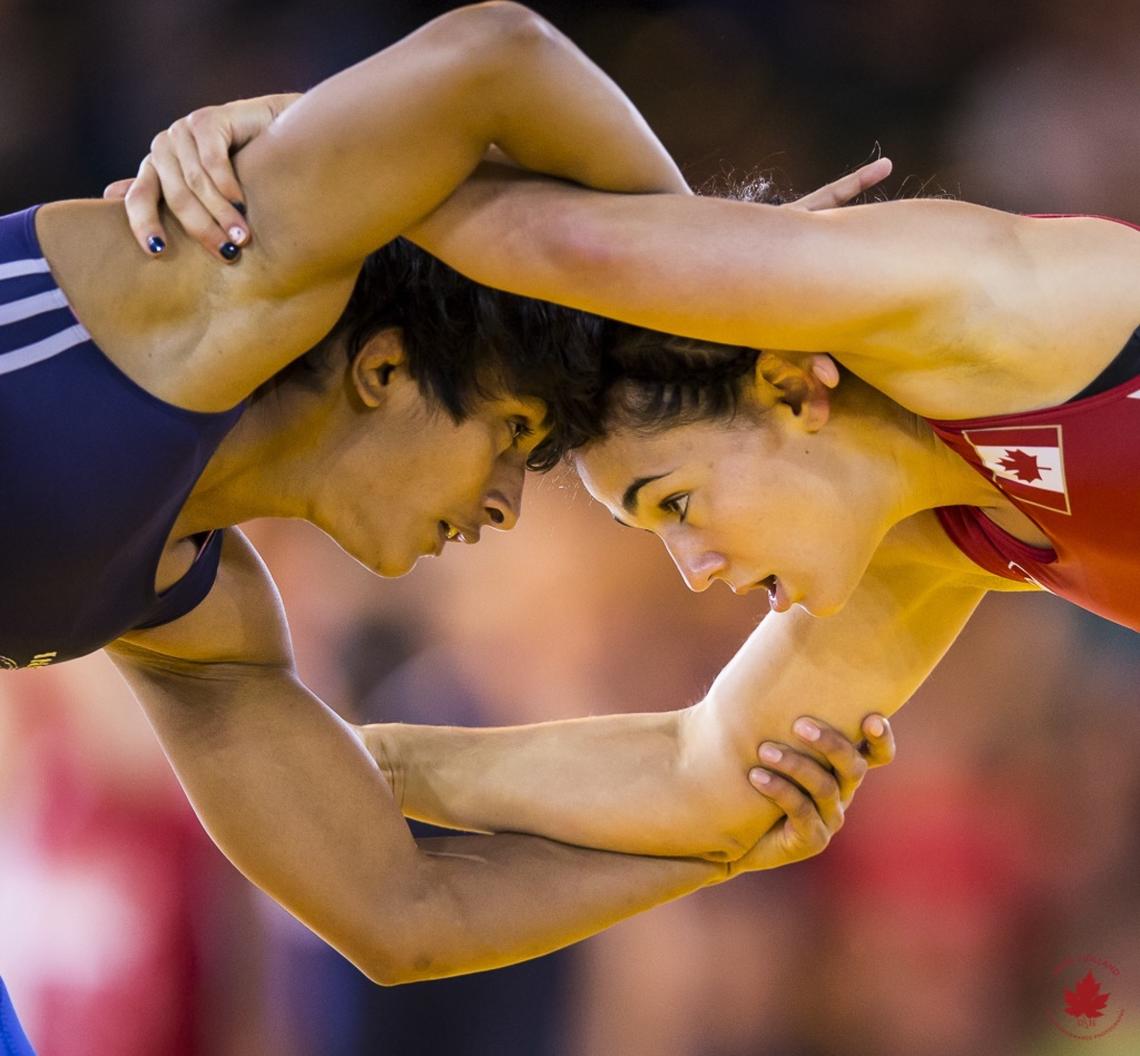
{"x": 1021, "y": 464}
{"x": 1085, "y": 999}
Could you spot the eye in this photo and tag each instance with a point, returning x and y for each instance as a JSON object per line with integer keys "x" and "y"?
{"x": 521, "y": 429}
{"x": 676, "y": 505}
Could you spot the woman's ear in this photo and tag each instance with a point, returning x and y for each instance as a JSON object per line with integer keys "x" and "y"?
{"x": 371, "y": 369}
{"x": 802, "y": 382}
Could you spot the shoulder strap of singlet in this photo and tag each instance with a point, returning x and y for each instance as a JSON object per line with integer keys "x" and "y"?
{"x": 1124, "y": 367}
{"x": 193, "y": 587}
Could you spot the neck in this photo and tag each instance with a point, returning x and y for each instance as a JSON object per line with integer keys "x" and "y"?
{"x": 919, "y": 472}
{"x": 264, "y": 466}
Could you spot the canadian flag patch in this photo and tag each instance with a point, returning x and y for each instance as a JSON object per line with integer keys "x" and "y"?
{"x": 1027, "y": 462}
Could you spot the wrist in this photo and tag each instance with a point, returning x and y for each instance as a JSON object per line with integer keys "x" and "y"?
{"x": 382, "y": 741}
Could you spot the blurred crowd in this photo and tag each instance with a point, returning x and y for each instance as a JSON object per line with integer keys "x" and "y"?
{"x": 1004, "y": 840}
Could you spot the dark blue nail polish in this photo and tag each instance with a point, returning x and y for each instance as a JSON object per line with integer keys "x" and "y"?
{"x": 239, "y": 206}
{"x": 229, "y": 250}
{"x": 155, "y": 244}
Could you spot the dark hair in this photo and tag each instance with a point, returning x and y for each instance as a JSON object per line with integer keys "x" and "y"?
{"x": 466, "y": 342}
{"x": 656, "y": 380}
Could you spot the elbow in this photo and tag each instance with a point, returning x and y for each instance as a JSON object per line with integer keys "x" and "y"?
{"x": 390, "y": 963}
{"x": 499, "y": 34}
{"x": 728, "y": 815}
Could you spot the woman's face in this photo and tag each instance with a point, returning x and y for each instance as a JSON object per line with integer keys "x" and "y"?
{"x": 757, "y": 502}
{"x": 398, "y": 478}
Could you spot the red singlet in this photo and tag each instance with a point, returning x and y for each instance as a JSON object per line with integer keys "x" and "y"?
{"x": 1074, "y": 470}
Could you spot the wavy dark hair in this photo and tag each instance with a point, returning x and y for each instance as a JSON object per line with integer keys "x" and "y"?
{"x": 656, "y": 381}
{"x": 466, "y": 342}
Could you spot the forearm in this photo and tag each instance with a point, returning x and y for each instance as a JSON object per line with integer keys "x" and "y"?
{"x": 496, "y": 900}
{"x": 617, "y": 782}
{"x": 676, "y": 783}
{"x": 291, "y": 798}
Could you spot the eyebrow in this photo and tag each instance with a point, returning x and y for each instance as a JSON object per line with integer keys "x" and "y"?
{"x": 629, "y": 498}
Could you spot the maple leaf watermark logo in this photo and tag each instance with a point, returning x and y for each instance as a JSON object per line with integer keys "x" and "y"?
{"x": 1085, "y": 1002}
{"x": 1089, "y": 1012}
{"x": 1022, "y": 465}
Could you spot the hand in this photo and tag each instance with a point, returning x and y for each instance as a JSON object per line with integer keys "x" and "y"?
{"x": 822, "y": 373}
{"x": 813, "y": 798}
{"x": 190, "y": 166}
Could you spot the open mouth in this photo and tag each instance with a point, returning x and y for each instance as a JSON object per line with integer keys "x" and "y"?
{"x": 448, "y": 531}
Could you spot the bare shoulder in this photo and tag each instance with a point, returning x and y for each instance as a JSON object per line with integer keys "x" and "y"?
{"x": 190, "y": 330}
{"x": 1040, "y": 305}
{"x": 240, "y": 622}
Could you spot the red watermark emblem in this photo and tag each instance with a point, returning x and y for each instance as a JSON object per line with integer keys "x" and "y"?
{"x": 1088, "y": 1002}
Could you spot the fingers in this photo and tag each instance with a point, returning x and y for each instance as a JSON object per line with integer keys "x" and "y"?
{"x": 879, "y": 741}
{"x": 189, "y": 166}
{"x": 840, "y": 192}
{"x": 811, "y": 776}
{"x": 844, "y": 758}
{"x": 142, "y": 198}
{"x": 213, "y": 133}
{"x": 191, "y": 192}
{"x": 801, "y": 834}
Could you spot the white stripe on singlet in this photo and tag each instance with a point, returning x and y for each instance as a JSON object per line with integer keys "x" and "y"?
{"x": 26, "y": 307}
{"x": 41, "y": 350}
{"x": 14, "y": 268}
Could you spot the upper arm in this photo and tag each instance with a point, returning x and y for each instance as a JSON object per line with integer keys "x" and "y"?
{"x": 871, "y": 656}
{"x": 282, "y": 784}
{"x": 835, "y": 280}
{"x": 901, "y": 291}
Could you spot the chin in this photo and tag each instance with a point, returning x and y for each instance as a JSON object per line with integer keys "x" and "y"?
{"x": 823, "y": 603}
{"x": 391, "y": 567}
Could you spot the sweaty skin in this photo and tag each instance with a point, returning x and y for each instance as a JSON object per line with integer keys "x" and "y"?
{"x": 284, "y": 787}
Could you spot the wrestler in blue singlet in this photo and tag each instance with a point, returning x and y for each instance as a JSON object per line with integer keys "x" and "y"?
{"x": 93, "y": 472}
{"x": 13, "y": 1040}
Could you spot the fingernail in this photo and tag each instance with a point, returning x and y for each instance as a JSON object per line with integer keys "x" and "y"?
{"x": 875, "y": 726}
{"x": 759, "y": 777}
{"x": 155, "y": 244}
{"x": 770, "y": 753}
{"x": 806, "y": 729}
{"x": 237, "y": 235}
{"x": 229, "y": 250}
{"x": 239, "y": 206}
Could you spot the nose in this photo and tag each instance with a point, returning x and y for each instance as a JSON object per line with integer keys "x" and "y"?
{"x": 698, "y": 566}
{"x": 502, "y": 505}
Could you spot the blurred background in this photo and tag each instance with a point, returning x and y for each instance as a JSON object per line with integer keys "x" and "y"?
{"x": 1003, "y": 841}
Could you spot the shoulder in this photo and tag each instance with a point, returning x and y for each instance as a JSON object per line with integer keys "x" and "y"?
{"x": 190, "y": 330}
{"x": 1038, "y": 306}
{"x": 240, "y": 622}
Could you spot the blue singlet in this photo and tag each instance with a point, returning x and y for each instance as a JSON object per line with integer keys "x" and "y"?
{"x": 13, "y": 1040}
{"x": 93, "y": 473}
